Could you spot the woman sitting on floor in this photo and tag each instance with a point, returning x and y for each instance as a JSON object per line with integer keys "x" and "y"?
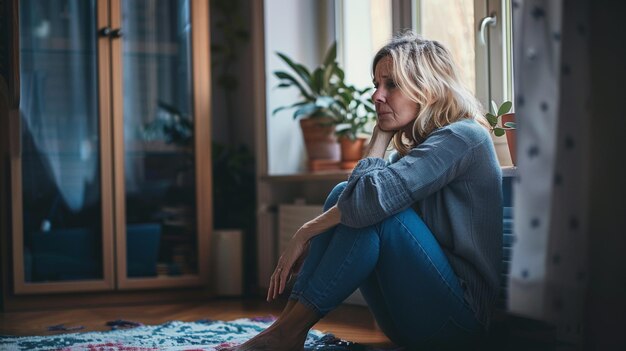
{"x": 420, "y": 235}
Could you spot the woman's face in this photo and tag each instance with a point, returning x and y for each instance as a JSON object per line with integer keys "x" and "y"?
{"x": 394, "y": 109}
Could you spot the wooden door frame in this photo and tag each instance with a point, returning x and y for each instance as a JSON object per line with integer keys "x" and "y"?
{"x": 9, "y": 102}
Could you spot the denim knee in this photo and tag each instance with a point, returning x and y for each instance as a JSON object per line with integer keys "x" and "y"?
{"x": 333, "y": 197}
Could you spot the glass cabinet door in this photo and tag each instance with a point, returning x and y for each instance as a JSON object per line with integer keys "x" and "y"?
{"x": 62, "y": 200}
{"x": 114, "y": 155}
{"x": 161, "y": 212}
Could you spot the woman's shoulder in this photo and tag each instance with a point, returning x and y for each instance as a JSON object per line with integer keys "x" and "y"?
{"x": 468, "y": 129}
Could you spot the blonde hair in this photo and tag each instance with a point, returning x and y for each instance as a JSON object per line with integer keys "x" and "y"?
{"x": 426, "y": 73}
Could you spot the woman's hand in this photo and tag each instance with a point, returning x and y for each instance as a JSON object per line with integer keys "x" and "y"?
{"x": 378, "y": 143}
{"x": 291, "y": 260}
{"x": 289, "y": 264}
{"x": 379, "y": 132}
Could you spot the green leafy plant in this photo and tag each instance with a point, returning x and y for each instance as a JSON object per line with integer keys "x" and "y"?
{"x": 498, "y": 112}
{"x": 318, "y": 88}
{"x": 324, "y": 93}
{"x": 356, "y": 111}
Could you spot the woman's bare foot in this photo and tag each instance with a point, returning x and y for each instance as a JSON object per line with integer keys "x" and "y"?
{"x": 273, "y": 340}
{"x": 288, "y": 333}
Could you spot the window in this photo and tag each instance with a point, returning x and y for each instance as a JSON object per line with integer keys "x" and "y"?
{"x": 484, "y": 56}
{"x": 456, "y": 32}
{"x": 363, "y": 27}
{"x": 486, "y": 65}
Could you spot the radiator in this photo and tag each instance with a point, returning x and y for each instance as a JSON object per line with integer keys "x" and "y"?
{"x": 291, "y": 218}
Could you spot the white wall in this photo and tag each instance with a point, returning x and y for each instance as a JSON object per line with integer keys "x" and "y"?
{"x": 364, "y": 27}
{"x": 300, "y": 30}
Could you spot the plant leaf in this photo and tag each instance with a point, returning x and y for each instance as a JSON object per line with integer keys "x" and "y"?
{"x": 498, "y": 131}
{"x": 324, "y": 101}
{"x": 510, "y": 125}
{"x": 331, "y": 54}
{"x": 344, "y": 99}
{"x": 288, "y": 107}
{"x": 493, "y": 120}
{"x": 316, "y": 81}
{"x": 340, "y": 73}
{"x": 369, "y": 107}
{"x": 284, "y": 75}
{"x": 289, "y": 77}
{"x": 505, "y": 108}
{"x": 307, "y": 109}
{"x": 328, "y": 74}
{"x": 366, "y": 90}
{"x": 342, "y": 127}
{"x": 304, "y": 74}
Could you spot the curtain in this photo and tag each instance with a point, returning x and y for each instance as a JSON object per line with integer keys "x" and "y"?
{"x": 548, "y": 278}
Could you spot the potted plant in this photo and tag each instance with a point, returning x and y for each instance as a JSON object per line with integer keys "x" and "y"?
{"x": 355, "y": 110}
{"x": 332, "y": 110}
{"x": 507, "y": 126}
{"x": 318, "y": 89}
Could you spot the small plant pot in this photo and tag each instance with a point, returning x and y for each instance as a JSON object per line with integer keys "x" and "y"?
{"x": 510, "y": 137}
{"x": 319, "y": 139}
{"x": 351, "y": 151}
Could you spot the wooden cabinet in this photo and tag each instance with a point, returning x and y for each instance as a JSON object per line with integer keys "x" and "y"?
{"x": 109, "y": 168}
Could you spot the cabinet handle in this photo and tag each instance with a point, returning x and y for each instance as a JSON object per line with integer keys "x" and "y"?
{"x": 111, "y": 33}
{"x": 116, "y": 33}
{"x": 105, "y": 32}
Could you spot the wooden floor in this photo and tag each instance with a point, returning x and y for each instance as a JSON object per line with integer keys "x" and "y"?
{"x": 353, "y": 323}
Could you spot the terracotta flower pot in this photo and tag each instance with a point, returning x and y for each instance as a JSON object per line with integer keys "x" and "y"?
{"x": 319, "y": 139}
{"x": 510, "y": 137}
{"x": 351, "y": 151}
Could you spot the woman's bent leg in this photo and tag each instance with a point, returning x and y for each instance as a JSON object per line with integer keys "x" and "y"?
{"x": 348, "y": 260}
{"x": 413, "y": 292}
{"x": 290, "y": 330}
{"x": 403, "y": 274}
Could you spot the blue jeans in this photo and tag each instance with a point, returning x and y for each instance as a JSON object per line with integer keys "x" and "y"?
{"x": 403, "y": 275}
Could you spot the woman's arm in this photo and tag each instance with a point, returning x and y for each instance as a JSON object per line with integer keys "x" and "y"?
{"x": 319, "y": 224}
{"x": 376, "y": 190}
{"x": 378, "y": 143}
{"x": 291, "y": 259}
{"x": 376, "y": 148}
{"x": 296, "y": 249}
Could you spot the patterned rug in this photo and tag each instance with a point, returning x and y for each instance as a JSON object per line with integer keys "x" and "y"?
{"x": 175, "y": 335}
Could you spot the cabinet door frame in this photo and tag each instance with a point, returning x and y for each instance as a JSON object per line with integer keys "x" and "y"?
{"x": 107, "y": 283}
{"x": 201, "y": 80}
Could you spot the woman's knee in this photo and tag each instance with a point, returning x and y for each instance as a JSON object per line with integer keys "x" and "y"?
{"x": 333, "y": 197}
